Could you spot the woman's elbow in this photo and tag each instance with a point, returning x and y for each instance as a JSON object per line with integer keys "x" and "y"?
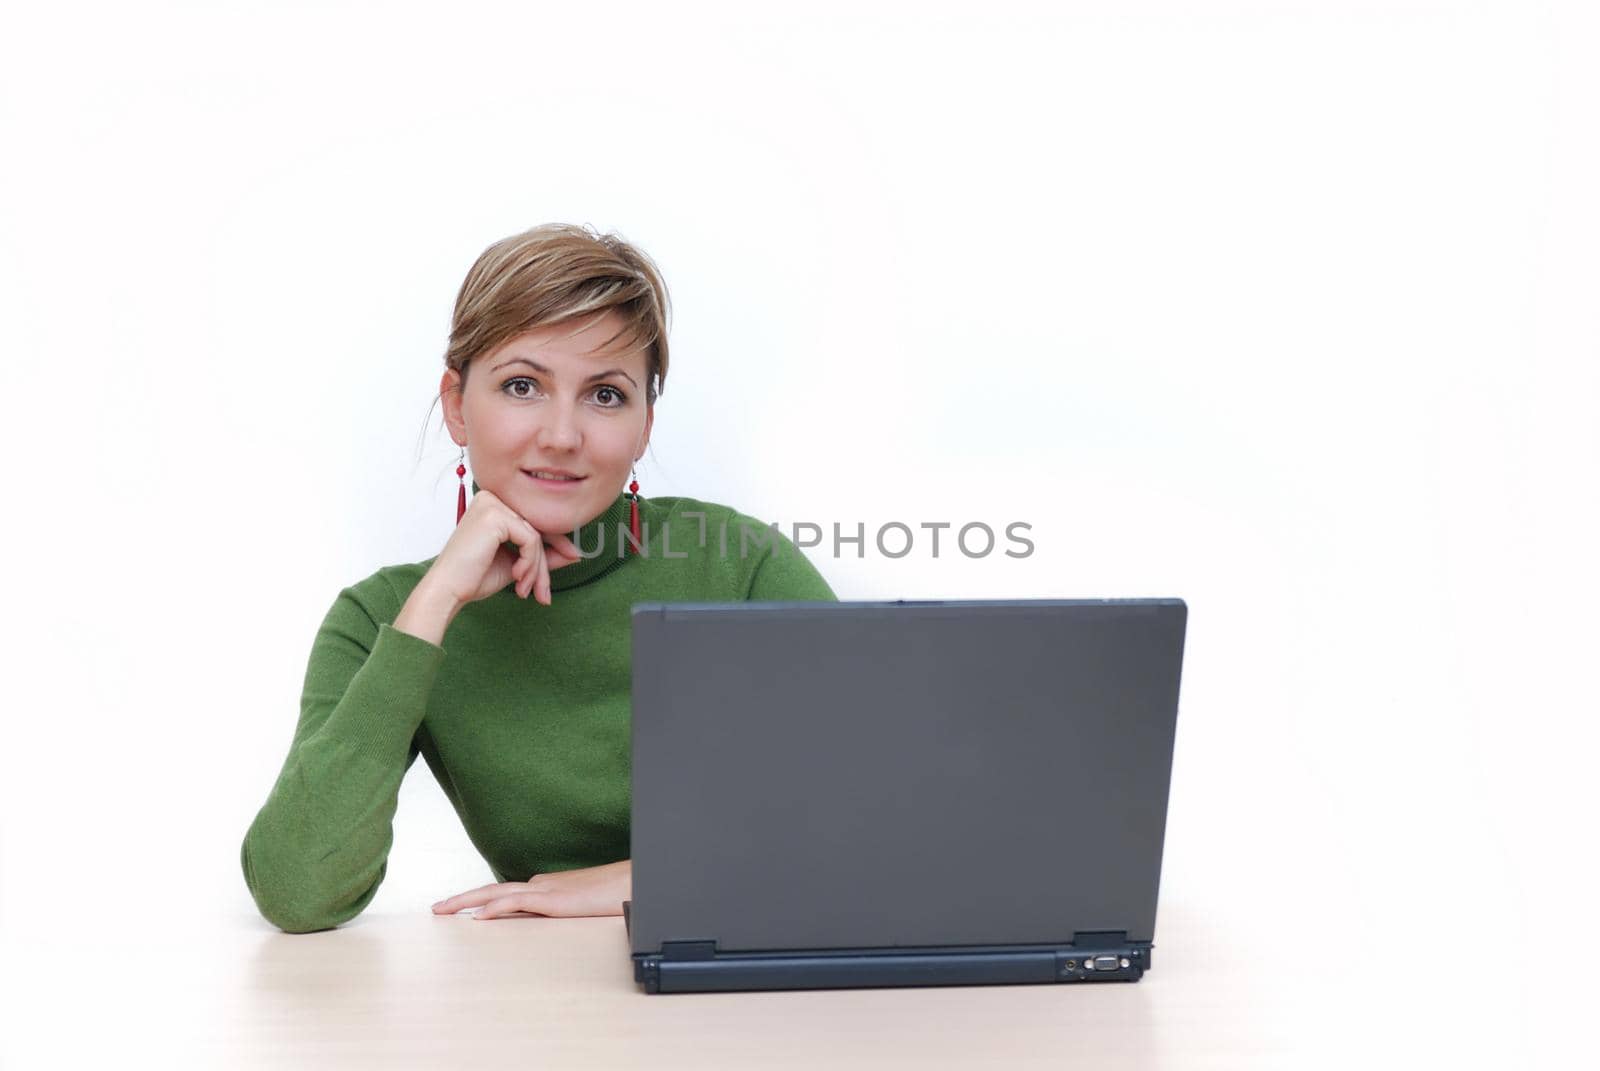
{"x": 298, "y": 907}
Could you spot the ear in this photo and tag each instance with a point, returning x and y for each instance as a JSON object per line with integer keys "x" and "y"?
{"x": 450, "y": 398}
{"x": 644, "y": 442}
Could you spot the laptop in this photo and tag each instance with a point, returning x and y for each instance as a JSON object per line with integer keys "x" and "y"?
{"x": 853, "y": 794}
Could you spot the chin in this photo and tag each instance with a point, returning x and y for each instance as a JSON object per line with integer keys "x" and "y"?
{"x": 551, "y": 519}
{"x": 560, "y": 517}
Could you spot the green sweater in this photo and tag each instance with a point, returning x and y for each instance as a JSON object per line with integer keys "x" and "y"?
{"x": 522, "y": 714}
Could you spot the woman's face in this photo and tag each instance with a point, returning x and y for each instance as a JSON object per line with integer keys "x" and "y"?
{"x": 555, "y": 406}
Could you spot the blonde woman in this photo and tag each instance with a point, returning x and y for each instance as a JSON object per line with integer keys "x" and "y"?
{"x": 504, "y": 660}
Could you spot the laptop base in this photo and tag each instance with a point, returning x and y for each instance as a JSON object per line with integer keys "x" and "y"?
{"x": 698, "y": 967}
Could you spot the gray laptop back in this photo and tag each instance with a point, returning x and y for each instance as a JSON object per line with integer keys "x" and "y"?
{"x": 891, "y": 775}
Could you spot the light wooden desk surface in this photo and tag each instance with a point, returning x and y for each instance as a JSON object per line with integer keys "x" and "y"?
{"x": 561, "y": 992}
{"x": 411, "y": 990}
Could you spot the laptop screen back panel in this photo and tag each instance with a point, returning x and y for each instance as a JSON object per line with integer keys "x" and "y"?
{"x": 888, "y": 775}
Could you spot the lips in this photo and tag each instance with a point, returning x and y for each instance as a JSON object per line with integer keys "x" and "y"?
{"x": 553, "y": 476}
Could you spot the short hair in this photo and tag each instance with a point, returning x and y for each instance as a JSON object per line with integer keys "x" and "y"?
{"x": 555, "y": 273}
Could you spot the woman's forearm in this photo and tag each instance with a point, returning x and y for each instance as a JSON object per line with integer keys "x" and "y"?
{"x": 427, "y": 613}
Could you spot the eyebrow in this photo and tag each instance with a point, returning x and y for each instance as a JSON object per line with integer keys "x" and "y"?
{"x": 545, "y": 371}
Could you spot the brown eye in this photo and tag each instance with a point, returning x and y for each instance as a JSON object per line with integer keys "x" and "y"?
{"x": 511, "y": 387}
{"x": 610, "y": 397}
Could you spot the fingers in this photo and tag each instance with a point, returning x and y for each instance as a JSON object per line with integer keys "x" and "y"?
{"x": 530, "y": 554}
{"x": 560, "y": 550}
{"x": 475, "y": 897}
{"x": 541, "y": 589}
{"x": 537, "y": 555}
{"x": 509, "y": 905}
{"x": 590, "y": 891}
{"x": 532, "y": 571}
{"x": 492, "y": 901}
{"x": 531, "y": 567}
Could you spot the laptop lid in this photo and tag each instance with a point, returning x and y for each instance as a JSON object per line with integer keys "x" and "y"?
{"x": 814, "y": 776}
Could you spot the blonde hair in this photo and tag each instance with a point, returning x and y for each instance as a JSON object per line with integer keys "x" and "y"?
{"x": 556, "y": 273}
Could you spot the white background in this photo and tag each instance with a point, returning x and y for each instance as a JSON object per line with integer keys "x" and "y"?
{"x": 1288, "y": 309}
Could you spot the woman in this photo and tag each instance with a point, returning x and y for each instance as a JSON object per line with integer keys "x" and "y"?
{"x": 504, "y": 660}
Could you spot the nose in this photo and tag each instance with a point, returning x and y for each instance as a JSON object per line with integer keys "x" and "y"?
{"x": 558, "y": 431}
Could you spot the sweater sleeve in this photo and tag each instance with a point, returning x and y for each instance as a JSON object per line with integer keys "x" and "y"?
{"x": 318, "y": 849}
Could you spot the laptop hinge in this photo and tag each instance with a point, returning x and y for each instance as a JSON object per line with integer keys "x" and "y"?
{"x": 1100, "y": 938}
{"x": 681, "y": 950}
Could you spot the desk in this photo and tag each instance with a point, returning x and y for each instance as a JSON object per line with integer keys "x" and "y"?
{"x": 560, "y": 992}
{"x": 412, "y": 990}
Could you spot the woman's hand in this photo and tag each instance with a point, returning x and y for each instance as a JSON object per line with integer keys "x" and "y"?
{"x": 595, "y": 890}
{"x": 475, "y": 563}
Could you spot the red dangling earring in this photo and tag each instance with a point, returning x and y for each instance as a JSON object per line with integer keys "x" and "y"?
{"x": 633, "y": 508}
{"x": 461, "y": 492}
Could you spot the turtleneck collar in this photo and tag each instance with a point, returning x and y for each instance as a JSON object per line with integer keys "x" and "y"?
{"x": 600, "y": 534}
